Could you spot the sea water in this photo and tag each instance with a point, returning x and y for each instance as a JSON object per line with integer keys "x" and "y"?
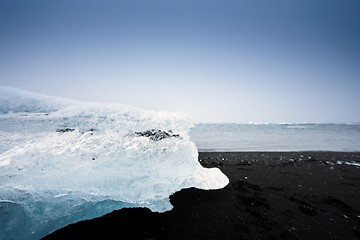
{"x": 277, "y": 137}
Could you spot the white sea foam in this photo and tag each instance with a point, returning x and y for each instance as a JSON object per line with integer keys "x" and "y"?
{"x": 62, "y": 161}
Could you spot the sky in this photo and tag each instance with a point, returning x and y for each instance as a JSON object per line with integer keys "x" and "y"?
{"x": 217, "y": 61}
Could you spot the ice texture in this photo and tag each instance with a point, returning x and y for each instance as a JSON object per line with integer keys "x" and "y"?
{"x": 62, "y": 161}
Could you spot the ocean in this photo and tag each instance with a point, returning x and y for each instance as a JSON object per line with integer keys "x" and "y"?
{"x": 277, "y": 137}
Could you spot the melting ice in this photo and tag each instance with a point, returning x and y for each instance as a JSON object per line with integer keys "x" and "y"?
{"x": 63, "y": 161}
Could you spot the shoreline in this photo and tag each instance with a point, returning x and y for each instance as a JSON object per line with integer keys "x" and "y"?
{"x": 271, "y": 195}
{"x": 275, "y": 151}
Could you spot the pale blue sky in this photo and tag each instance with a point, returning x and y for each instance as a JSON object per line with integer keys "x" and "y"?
{"x": 218, "y": 61}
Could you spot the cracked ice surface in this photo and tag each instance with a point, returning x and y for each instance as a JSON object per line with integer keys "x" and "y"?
{"x": 63, "y": 161}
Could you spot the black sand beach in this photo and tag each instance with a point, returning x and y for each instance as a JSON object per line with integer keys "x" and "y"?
{"x": 271, "y": 195}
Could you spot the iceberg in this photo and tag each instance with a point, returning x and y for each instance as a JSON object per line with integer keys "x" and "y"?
{"x": 63, "y": 161}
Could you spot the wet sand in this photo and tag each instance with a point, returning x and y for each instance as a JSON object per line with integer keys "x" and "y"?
{"x": 271, "y": 195}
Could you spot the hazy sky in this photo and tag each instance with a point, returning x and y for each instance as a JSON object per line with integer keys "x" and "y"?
{"x": 218, "y": 61}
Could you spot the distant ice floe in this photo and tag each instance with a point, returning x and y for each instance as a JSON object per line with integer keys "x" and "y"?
{"x": 63, "y": 161}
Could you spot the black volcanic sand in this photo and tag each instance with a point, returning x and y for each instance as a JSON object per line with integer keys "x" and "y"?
{"x": 276, "y": 195}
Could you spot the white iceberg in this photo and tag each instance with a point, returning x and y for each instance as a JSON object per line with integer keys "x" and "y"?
{"x": 63, "y": 161}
